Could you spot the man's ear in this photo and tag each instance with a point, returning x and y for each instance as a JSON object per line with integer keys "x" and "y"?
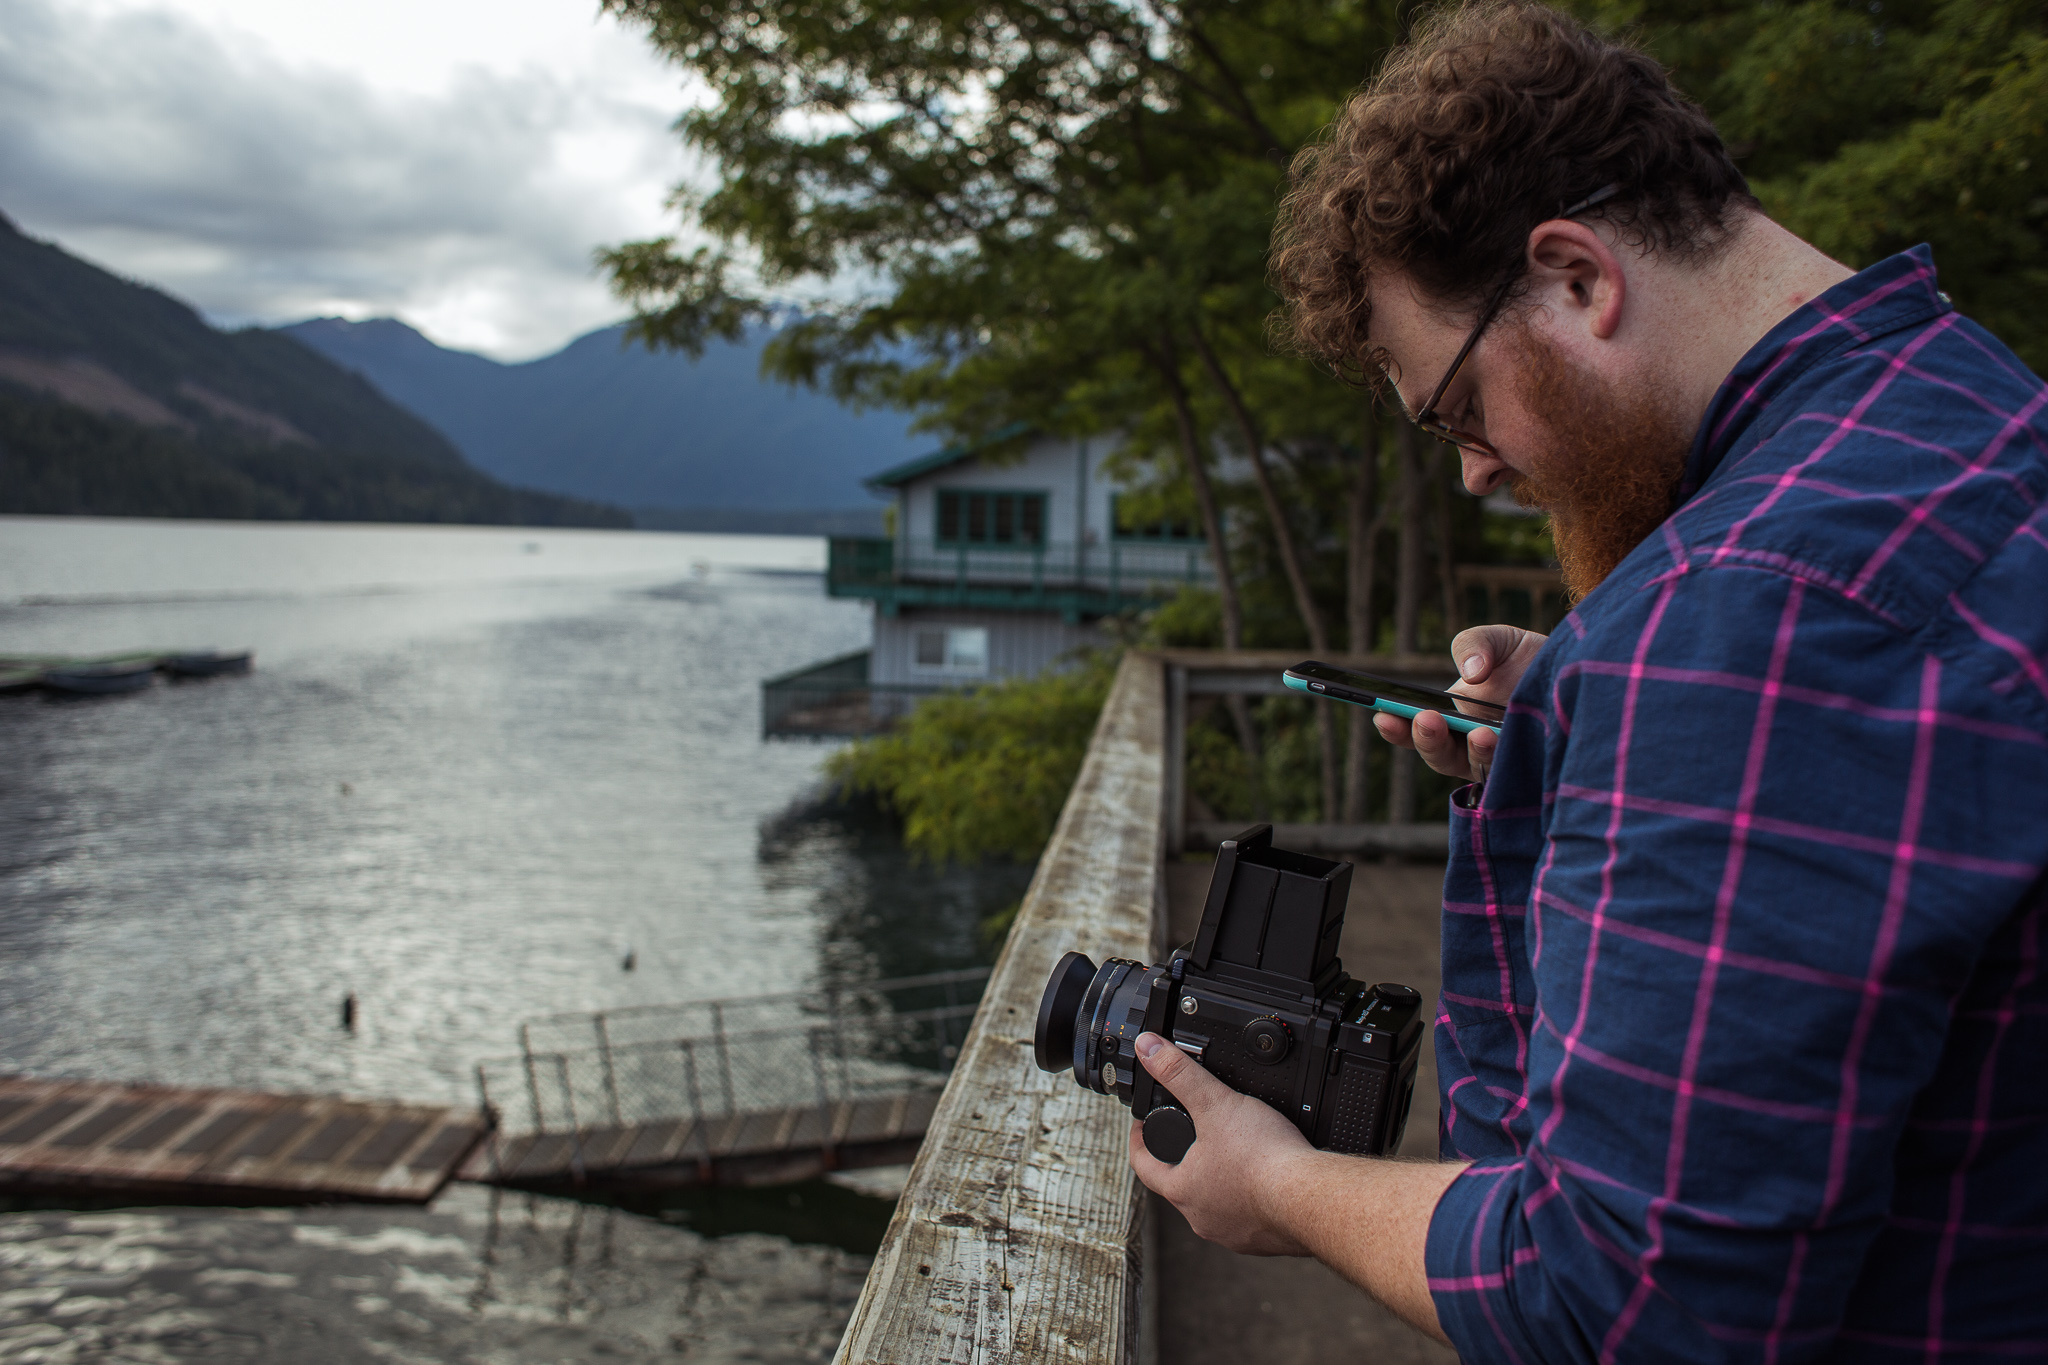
{"x": 1578, "y": 276}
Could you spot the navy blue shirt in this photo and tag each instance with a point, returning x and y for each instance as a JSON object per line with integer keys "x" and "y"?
{"x": 1744, "y": 1024}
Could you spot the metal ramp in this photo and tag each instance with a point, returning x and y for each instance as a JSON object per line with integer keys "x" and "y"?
{"x": 753, "y": 1090}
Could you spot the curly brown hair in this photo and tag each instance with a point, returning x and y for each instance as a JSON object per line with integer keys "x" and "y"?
{"x": 1493, "y": 117}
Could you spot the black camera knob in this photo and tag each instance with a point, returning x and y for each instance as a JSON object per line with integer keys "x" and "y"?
{"x": 1169, "y": 1132}
{"x": 1266, "y": 1040}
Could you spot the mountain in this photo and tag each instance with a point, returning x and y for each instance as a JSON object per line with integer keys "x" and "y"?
{"x": 117, "y": 399}
{"x": 649, "y": 430}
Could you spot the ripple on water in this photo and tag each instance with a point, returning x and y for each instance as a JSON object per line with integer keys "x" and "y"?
{"x": 476, "y": 1276}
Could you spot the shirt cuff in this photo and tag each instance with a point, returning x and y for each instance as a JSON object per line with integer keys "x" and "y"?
{"x": 1472, "y": 1268}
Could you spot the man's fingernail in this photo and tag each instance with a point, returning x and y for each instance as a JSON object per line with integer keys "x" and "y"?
{"x": 1470, "y": 668}
{"x": 1148, "y": 1043}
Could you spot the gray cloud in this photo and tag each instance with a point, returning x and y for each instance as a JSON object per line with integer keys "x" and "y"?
{"x": 263, "y": 192}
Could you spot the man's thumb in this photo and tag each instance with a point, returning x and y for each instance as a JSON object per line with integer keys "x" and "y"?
{"x": 1478, "y": 650}
{"x": 1194, "y": 1087}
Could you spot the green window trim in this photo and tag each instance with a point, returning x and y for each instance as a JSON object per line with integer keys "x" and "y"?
{"x": 972, "y": 518}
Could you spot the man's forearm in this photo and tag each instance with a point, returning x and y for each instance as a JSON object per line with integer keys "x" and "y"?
{"x": 1367, "y": 1218}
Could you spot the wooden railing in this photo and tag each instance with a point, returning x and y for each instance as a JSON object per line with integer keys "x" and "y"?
{"x": 1018, "y": 1237}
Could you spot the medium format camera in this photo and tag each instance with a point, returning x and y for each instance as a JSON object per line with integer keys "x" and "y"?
{"x": 1259, "y": 999}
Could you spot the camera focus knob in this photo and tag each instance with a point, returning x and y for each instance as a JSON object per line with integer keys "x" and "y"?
{"x": 1266, "y": 1040}
{"x": 1169, "y": 1132}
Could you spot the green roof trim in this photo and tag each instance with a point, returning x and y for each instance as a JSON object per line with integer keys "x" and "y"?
{"x": 940, "y": 459}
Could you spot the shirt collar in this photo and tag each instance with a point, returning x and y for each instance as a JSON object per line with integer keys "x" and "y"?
{"x": 1899, "y": 291}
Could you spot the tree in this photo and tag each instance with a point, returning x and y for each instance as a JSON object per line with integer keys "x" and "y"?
{"x": 1867, "y": 127}
{"x": 1042, "y": 190}
{"x": 1058, "y": 211}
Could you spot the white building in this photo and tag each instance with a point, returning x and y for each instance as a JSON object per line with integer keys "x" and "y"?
{"x": 1005, "y": 558}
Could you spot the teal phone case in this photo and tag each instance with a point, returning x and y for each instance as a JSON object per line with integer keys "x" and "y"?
{"x": 1462, "y": 724}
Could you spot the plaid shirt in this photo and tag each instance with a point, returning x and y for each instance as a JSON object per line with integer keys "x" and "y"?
{"x": 1744, "y": 1022}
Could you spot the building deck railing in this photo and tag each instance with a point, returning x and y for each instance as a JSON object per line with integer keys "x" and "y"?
{"x": 1090, "y": 577}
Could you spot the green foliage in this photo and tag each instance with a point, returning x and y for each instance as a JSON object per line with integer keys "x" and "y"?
{"x": 1191, "y": 619}
{"x": 1512, "y": 539}
{"x": 996, "y": 928}
{"x": 982, "y": 774}
{"x": 1869, "y": 127}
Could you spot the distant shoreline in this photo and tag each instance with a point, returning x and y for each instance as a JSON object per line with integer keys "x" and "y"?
{"x": 734, "y": 521}
{"x": 839, "y": 521}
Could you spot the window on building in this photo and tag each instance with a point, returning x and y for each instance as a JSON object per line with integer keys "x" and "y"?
{"x": 950, "y": 649}
{"x": 991, "y": 518}
{"x": 1138, "y": 519}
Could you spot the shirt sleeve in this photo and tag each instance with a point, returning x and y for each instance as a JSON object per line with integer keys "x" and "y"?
{"x": 1781, "y": 833}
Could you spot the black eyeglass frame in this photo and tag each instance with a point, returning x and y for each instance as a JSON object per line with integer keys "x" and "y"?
{"x": 1428, "y": 419}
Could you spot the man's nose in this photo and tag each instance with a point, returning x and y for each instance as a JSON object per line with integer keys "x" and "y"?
{"x": 1484, "y": 471}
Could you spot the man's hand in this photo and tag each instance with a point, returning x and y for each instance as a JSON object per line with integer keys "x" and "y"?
{"x": 1252, "y": 1183}
{"x": 1491, "y": 660}
{"x": 1243, "y": 1147}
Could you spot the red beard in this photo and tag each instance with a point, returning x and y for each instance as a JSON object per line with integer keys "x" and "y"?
{"x": 1609, "y": 468}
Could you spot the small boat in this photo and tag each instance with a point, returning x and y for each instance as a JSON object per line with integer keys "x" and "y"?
{"x": 206, "y": 663}
{"x": 100, "y": 679}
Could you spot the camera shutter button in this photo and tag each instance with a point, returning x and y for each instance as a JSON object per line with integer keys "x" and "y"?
{"x": 1266, "y": 1040}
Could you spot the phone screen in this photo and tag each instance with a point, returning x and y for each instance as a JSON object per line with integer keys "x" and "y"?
{"x": 1407, "y": 694}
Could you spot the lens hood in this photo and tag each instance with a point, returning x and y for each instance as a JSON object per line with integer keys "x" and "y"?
{"x": 1052, "y": 1045}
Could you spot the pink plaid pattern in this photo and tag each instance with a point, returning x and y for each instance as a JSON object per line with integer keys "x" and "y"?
{"x": 1744, "y": 1025}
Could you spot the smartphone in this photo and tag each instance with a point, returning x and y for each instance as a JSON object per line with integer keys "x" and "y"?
{"x": 1395, "y": 698}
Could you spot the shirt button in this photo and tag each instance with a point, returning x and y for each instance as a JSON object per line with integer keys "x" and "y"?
{"x": 1942, "y": 294}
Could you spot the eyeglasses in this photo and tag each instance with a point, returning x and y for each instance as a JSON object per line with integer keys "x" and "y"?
{"x": 1428, "y": 419}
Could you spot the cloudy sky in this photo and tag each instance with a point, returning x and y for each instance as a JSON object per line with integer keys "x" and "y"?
{"x": 449, "y": 162}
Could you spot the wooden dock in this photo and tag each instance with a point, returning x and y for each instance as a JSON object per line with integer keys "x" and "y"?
{"x": 59, "y": 1136}
{"x": 762, "y": 1147}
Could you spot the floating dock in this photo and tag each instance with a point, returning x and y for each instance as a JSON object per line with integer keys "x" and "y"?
{"x": 64, "y": 1137}
{"x": 759, "y": 1147}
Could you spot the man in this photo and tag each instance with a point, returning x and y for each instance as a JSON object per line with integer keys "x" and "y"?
{"x": 1744, "y": 1033}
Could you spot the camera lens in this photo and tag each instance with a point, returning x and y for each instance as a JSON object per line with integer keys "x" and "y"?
{"x": 1052, "y": 1046}
{"x": 1106, "y": 1002}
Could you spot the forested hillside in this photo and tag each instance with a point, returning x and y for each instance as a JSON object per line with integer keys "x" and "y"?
{"x": 116, "y": 399}
{"x": 602, "y": 418}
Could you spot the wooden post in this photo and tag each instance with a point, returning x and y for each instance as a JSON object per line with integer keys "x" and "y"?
{"x": 1176, "y": 759}
{"x": 1407, "y": 606}
{"x": 1019, "y": 1235}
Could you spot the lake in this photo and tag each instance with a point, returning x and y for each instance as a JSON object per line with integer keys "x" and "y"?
{"x": 473, "y": 770}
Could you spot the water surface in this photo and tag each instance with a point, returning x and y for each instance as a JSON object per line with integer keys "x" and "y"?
{"x": 473, "y": 769}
